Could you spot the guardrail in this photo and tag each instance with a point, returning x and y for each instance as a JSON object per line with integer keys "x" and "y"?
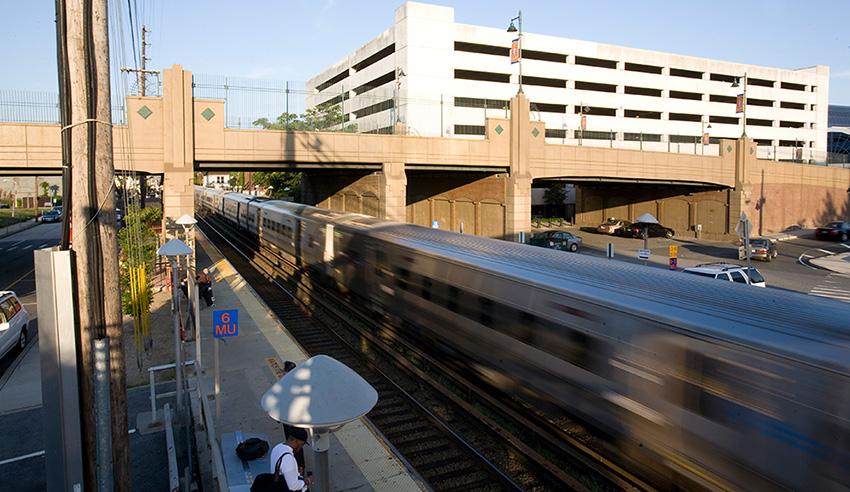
{"x": 173, "y": 475}
{"x": 152, "y": 380}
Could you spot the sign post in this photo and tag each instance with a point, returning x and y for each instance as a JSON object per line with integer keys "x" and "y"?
{"x": 743, "y": 230}
{"x": 225, "y": 324}
{"x": 674, "y": 256}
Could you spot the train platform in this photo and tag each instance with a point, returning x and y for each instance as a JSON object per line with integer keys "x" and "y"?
{"x": 250, "y": 363}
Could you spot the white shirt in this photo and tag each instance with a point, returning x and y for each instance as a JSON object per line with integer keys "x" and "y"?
{"x": 288, "y": 467}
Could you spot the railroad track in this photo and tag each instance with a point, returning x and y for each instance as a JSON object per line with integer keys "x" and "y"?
{"x": 456, "y": 435}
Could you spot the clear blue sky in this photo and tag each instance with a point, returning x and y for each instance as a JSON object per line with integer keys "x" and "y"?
{"x": 293, "y": 39}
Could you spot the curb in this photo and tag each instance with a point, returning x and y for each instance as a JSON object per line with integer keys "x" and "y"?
{"x": 791, "y": 235}
{"x": 16, "y": 228}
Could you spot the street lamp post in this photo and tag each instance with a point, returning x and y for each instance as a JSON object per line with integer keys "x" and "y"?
{"x": 174, "y": 250}
{"x": 736, "y": 84}
{"x": 646, "y": 219}
{"x": 704, "y": 134}
{"x": 188, "y": 223}
{"x": 14, "y": 182}
{"x": 512, "y": 28}
{"x": 399, "y": 73}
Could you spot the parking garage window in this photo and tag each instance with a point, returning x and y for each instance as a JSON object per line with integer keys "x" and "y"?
{"x": 594, "y": 86}
{"x": 595, "y": 62}
{"x": 643, "y": 91}
{"x": 693, "y": 96}
{"x": 637, "y": 67}
{"x": 690, "y": 74}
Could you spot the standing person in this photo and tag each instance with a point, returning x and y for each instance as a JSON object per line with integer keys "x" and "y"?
{"x": 205, "y": 286}
{"x": 282, "y": 458}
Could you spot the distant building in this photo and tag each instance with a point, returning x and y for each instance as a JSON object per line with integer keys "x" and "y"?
{"x": 838, "y": 136}
{"x": 437, "y": 77}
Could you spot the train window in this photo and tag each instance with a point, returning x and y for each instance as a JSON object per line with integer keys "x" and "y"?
{"x": 453, "y": 299}
{"x": 402, "y": 277}
{"x": 426, "y": 288}
{"x": 485, "y": 311}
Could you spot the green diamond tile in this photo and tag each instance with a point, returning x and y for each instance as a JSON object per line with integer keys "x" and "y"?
{"x": 499, "y": 129}
{"x": 144, "y": 112}
{"x": 728, "y": 148}
{"x": 751, "y": 151}
{"x": 535, "y": 132}
{"x": 207, "y": 114}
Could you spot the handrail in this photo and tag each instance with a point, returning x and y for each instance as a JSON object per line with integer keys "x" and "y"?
{"x": 152, "y": 382}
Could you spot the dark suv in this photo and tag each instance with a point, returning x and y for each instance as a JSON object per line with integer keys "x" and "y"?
{"x": 560, "y": 240}
{"x": 636, "y": 230}
{"x": 834, "y": 230}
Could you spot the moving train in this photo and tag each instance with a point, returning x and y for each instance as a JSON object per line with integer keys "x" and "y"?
{"x": 726, "y": 388}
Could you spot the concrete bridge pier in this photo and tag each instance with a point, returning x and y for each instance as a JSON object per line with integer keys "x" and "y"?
{"x": 393, "y": 192}
{"x": 178, "y": 145}
{"x": 525, "y": 135}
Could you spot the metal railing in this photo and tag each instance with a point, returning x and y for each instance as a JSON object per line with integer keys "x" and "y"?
{"x": 152, "y": 381}
{"x": 25, "y": 106}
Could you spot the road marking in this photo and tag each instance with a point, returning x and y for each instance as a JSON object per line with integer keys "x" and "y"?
{"x": 23, "y": 457}
{"x": 10, "y": 249}
{"x": 846, "y": 245}
{"x": 824, "y": 289}
{"x": 806, "y": 256}
{"x": 44, "y": 245}
{"x": 19, "y": 279}
{"x": 826, "y": 251}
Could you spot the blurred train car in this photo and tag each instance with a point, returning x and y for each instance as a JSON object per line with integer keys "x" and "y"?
{"x": 727, "y": 388}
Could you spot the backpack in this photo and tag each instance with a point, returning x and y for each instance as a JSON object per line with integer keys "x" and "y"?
{"x": 271, "y": 482}
{"x": 251, "y": 449}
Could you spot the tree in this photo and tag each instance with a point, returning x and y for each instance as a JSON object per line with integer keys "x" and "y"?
{"x": 319, "y": 118}
{"x": 54, "y": 189}
{"x": 283, "y": 184}
{"x": 554, "y": 196}
{"x": 44, "y": 187}
{"x": 237, "y": 179}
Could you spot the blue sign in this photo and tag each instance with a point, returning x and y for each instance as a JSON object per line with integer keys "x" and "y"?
{"x": 225, "y": 323}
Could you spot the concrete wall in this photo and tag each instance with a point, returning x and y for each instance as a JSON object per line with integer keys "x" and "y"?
{"x": 779, "y": 194}
{"x": 471, "y": 203}
{"x": 680, "y": 208}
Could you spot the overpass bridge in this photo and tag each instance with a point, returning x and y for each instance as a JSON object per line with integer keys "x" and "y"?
{"x": 481, "y": 186}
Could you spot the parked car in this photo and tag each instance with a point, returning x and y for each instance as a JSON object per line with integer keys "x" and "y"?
{"x": 560, "y": 240}
{"x": 833, "y": 231}
{"x": 729, "y": 272}
{"x": 760, "y": 249}
{"x": 14, "y": 321}
{"x": 612, "y": 225}
{"x": 655, "y": 230}
{"x": 4, "y": 205}
{"x": 51, "y": 216}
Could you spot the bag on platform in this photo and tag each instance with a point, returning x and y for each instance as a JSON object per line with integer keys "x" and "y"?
{"x": 271, "y": 482}
{"x": 251, "y": 449}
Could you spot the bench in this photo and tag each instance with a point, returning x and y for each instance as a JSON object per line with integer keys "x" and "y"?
{"x": 240, "y": 473}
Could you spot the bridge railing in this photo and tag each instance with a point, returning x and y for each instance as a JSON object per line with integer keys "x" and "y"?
{"x": 26, "y": 106}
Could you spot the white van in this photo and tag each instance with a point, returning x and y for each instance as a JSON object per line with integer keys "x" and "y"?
{"x": 729, "y": 272}
{"x": 14, "y": 321}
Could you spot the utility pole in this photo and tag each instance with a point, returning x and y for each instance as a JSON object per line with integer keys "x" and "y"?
{"x": 92, "y": 210}
{"x": 142, "y": 76}
{"x": 142, "y": 72}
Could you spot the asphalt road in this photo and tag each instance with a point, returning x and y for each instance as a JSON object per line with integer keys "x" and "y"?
{"x": 17, "y": 274}
{"x": 22, "y": 429}
{"x": 787, "y": 271}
